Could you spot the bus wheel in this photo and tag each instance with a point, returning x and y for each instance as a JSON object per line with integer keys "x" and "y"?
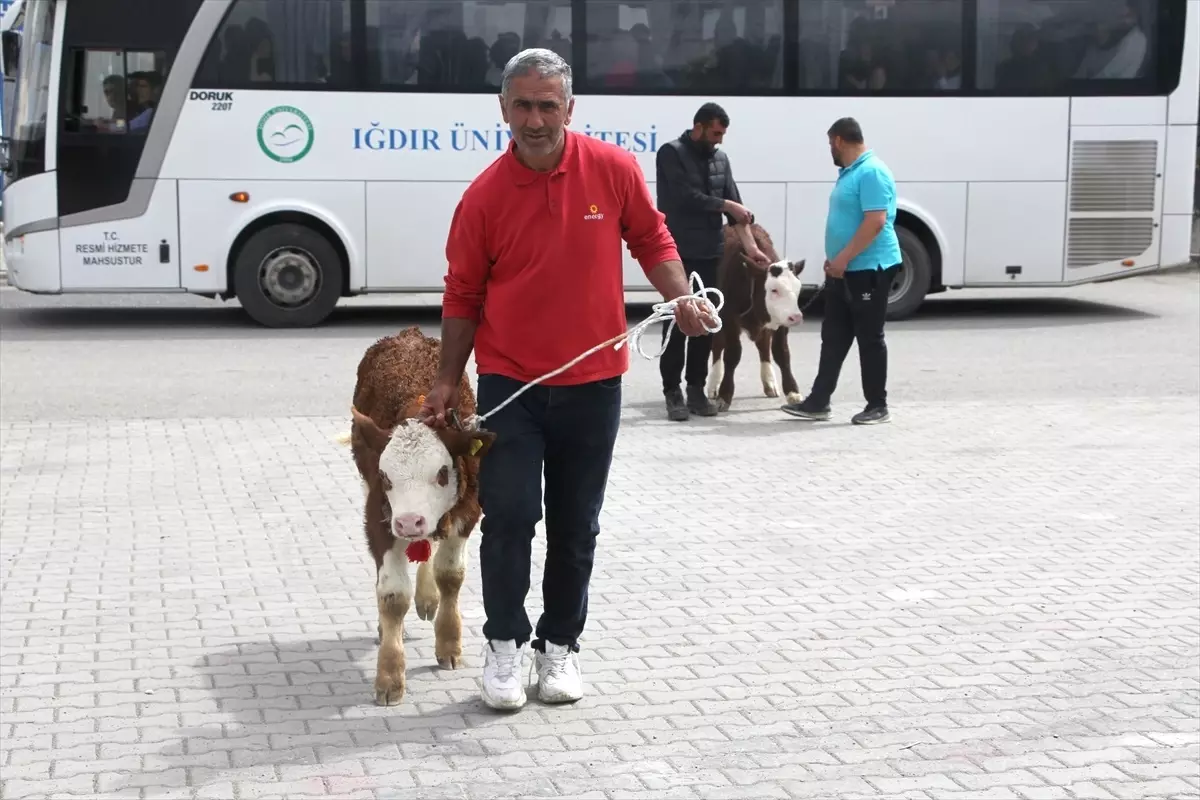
{"x": 912, "y": 281}
{"x": 288, "y": 276}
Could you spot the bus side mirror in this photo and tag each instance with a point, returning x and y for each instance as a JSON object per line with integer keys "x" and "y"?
{"x": 12, "y": 53}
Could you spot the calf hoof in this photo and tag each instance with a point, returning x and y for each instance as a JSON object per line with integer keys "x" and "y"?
{"x": 451, "y": 662}
{"x": 722, "y": 404}
{"x": 794, "y": 397}
{"x": 449, "y": 656}
{"x": 389, "y": 690}
{"x": 770, "y": 390}
{"x": 427, "y": 608}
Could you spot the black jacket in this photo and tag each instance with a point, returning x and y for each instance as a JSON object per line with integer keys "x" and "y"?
{"x": 691, "y": 189}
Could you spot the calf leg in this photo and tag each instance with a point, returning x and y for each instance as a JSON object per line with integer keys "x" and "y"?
{"x": 765, "y": 372}
{"x": 449, "y": 571}
{"x": 393, "y": 592}
{"x": 427, "y": 590}
{"x": 718, "y": 366}
{"x": 733, "y": 355}
{"x": 783, "y": 357}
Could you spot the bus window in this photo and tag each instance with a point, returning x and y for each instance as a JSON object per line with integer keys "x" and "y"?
{"x": 1036, "y": 46}
{"x": 110, "y": 91}
{"x": 109, "y": 100}
{"x": 294, "y": 43}
{"x": 97, "y": 96}
{"x": 457, "y": 46}
{"x": 908, "y": 46}
{"x": 690, "y": 46}
{"x": 31, "y": 107}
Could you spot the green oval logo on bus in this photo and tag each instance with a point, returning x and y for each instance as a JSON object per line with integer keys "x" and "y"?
{"x": 285, "y": 134}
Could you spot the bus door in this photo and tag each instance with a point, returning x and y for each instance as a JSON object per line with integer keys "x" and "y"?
{"x": 116, "y": 230}
{"x": 106, "y": 116}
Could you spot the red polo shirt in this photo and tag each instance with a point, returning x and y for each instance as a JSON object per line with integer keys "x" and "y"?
{"x": 535, "y": 259}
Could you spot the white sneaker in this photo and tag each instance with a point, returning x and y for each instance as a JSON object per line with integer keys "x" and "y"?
{"x": 502, "y": 687}
{"x": 559, "y": 680}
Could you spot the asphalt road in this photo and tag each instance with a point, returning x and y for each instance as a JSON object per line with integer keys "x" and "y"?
{"x": 167, "y": 356}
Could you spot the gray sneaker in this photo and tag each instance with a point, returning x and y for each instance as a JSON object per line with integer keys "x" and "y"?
{"x": 699, "y": 404}
{"x": 806, "y": 410}
{"x": 677, "y": 410}
{"x": 871, "y": 416}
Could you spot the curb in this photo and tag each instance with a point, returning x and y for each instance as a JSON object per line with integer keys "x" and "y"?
{"x": 1186, "y": 266}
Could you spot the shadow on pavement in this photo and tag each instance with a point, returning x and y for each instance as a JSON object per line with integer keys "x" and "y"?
{"x": 762, "y": 420}
{"x": 947, "y": 313}
{"x": 279, "y": 705}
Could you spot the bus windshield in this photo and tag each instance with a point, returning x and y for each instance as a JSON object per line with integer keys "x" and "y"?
{"x": 28, "y": 145}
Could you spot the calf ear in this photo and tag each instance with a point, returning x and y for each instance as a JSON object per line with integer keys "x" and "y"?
{"x": 797, "y": 266}
{"x": 466, "y": 443}
{"x": 481, "y": 442}
{"x": 375, "y": 436}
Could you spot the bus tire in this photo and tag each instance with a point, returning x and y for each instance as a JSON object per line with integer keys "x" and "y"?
{"x": 288, "y": 276}
{"x": 912, "y": 282}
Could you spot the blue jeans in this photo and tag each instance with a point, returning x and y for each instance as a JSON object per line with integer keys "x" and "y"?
{"x": 569, "y": 431}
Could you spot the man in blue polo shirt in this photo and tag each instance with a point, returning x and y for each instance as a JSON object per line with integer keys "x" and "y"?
{"x": 862, "y": 258}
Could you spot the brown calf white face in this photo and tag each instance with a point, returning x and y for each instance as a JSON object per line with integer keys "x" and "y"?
{"x": 419, "y": 480}
{"x": 418, "y": 472}
{"x": 782, "y": 293}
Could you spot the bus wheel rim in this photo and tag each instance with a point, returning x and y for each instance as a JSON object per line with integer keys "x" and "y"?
{"x": 900, "y": 284}
{"x": 289, "y": 277}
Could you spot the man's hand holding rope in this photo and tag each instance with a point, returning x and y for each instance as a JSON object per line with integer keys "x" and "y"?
{"x": 692, "y": 317}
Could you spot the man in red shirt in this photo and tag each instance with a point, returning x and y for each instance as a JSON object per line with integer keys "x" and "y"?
{"x": 534, "y": 280}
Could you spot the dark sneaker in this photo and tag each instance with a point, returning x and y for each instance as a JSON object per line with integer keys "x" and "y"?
{"x": 699, "y": 404}
{"x": 677, "y": 410}
{"x": 871, "y": 416}
{"x": 806, "y": 410}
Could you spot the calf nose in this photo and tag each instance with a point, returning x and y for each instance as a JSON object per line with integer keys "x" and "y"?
{"x": 410, "y": 524}
{"x": 795, "y": 319}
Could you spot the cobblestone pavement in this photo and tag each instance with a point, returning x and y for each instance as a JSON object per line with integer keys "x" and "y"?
{"x": 997, "y": 595}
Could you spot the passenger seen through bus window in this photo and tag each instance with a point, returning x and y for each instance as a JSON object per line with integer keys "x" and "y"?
{"x": 113, "y": 87}
{"x": 1118, "y": 46}
{"x": 147, "y": 89}
{"x": 1047, "y": 45}
{"x": 685, "y": 45}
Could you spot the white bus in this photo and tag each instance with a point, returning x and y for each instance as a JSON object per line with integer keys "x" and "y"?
{"x": 294, "y": 152}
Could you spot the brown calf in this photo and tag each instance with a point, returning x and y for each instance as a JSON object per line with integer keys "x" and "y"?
{"x": 762, "y": 302}
{"x": 421, "y": 495}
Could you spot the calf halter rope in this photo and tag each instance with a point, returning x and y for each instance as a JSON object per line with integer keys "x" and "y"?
{"x": 662, "y": 312}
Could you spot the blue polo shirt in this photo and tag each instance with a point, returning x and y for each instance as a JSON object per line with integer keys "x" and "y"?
{"x": 865, "y": 185}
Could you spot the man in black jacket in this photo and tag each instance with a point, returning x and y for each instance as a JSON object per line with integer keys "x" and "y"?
{"x": 697, "y": 193}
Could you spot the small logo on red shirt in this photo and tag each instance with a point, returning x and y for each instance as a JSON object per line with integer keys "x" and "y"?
{"x": 593, "y": 212}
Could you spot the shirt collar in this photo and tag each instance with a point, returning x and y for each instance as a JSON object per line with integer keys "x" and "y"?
{"x": 523, "y": 175}
{"x": 866, "y": 154}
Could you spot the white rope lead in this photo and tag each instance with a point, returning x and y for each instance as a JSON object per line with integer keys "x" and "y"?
{"x": 661, "y": 312}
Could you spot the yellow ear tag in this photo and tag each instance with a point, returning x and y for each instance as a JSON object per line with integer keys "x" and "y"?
{"x": 476, "y": 445}
{"x": 421, "y": 399}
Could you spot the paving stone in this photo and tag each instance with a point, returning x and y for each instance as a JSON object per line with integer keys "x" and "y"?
{"x": 990, "y": 597}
